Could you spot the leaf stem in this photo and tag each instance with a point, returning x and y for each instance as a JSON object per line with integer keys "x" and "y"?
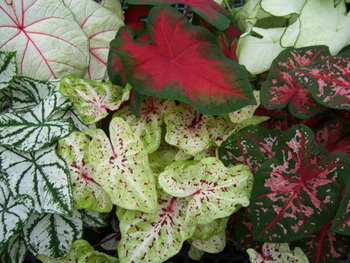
{"x": 228, "y": 6}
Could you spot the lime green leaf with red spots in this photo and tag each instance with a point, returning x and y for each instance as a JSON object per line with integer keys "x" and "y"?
{"x": 213, "y": 228}
{"x": 214, "y": 244}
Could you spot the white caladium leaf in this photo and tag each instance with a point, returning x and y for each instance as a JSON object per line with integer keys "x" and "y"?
{"x": 47, "y": 38}
{"x": 100, "y": 26}
{"x": 86, "y": 192}
{"x": 122, "y": 167}
{"x": 93, "y": 99}
{"x": 80, "y": 252}
{"x": 8, "y": 68}
{"x": 277, "y": 253}
{"x": 51, "y": 234}
{"x": 246, "y": 112}
{"x": 215, "y": 191}
{"x": 73, "y": 115}
{"x": 219, "y": 129}
{"x": 115, "y": 6}
{"x": 282, "y": 7}
{"x": 195, "y": 253}
{"x": 158, "y": 236}
{"x": 41, "y": 175}
{"x": 215, "y": 244}
{"x": 92, "y": 219}
{"x": 257, "y": 53}
{"x": 36, "y": 128}
{"x": 14, "y": 212}
{"x": 186, "y": 129}
{"x": 206, "y": 231}
{"x": 149, "y": 125}
{"x": 16, "y": 250}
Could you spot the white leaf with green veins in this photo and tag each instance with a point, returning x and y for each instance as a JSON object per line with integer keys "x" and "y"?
{"x": 86, "y": 192}
{"x": 277, "y": 253}
{"x": 100, "y": 26}
{"x": 247, "y": 111}
{"x": 215, "y": 244}
{"x": 42, "y": 175}
{"x": 195, "y": 253}
{"x": 206, "y": 231}
{"x": 122, "y": 167}
{"x": 51, "y": 234}
{"x": 14, "y": 212}
{"x": 158, "y": 236}
{"x": 257, "y": 54}
{"x": 16, "y": 250}
{"x": 187, "y": 129}
{"x": 80, "y": 252}
{"x": 92, "y": 219}
{"x": 8, "y": 68}
{"x": 282, "y": 7}
{"x": 48, "y": 40}
{"x": 93, "y": 99}
{"x": 215, "y": 191}
{"x": 36, "y": 128}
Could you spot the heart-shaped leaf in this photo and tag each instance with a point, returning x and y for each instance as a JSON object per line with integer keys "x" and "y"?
{"x": 14, "y": 212}
{"x": 47, "y": 38}
{"x": 93, "y": 99}
{"x": 36, "y": 128}
{"x": 92, "y": 219}
{"x": 281, "y": 88}
{"x": 192, "y": 70}
{"x": 297, "y": 190}
{"x": 277, "y": 253}
{"x": 155, "y": 237}
{"x": 51, "y": 234}
{"x": 86, "y": 192}
{"x": 215, "y": 191}
{"x": 215, "y": 244}
{"x": 41, "y": 175}
{"x": 100, "y": 26}
{"x": 213, "y": 228}
{"x": 80, "y": 252}
{"x": 122, "y": 168}
{"x": 8, "y": 68}
{"x": 16, "y": 250}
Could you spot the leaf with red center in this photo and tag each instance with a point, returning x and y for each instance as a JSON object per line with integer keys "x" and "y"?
{"x": 181, "y": 61}
{"x": 215, "y": 191}
{"x": 250, "y": 146}
{"x": 158, "y": 236}
{"x": 325, "y": 246}
{"x": 122, "y": 167}
{"x": 86, "y": 192}
{"x": 297, "y": 190}
{"x": 134, "y": 16}
{"x": 48, "y": 41}
{"x": 93, "y": 99}
{"x": 228, "y": 42}
{"x": 281, "y": 87}
{"x": 328, "y": 81}
{"x": 211, "y": 11}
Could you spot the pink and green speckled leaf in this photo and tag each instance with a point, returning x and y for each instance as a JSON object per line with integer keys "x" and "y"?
{"x": 93, "y": 99}
{"x": 87, "y": 194}
{"x": 325, "y": 246}
{"x": 277, "y": 253}
{"x": 80, "y": 252}
{"x": 181, "y": 61}
{"x": 122, "y": 167}
{"x": 187, "y": 129}
{"x": 214, "y": 244}
{"x": 158, "y": 236}
{"x": 215, "y": 191}
{"x": 328, "y": 81}
{"x": 282, "y": 88}
{"x": 297, "y": 190}
{"x": 341, "y": 221}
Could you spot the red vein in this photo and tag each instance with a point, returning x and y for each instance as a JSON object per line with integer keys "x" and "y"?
{"x": 43, "y": 19}
{"x": 30, "y": 6}
{"x": 97, "y": 58}
{"x": 24, "y": 54}
{"x": 101, "y": 32}
{"x": 16, "y": 23}
{"x": 10, "y": 39}
{"x": 44, "y": 34}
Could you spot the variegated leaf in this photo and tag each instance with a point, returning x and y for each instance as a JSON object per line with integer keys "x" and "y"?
{"x": 93, "y": 99}
{"x": 341, "y": 221}
{"x": 215, "y": 191}
{"x": 80, "y": 252}
{"x": 73, "y": 115}
{"x": 206, "y": 231}
{"x": 86, "y": 192}
{"x": 158, "y": 236}
{"x": 92, "y": 219}
{"x": 16, "y": 250}
{"x": 219, "y": 129}
{"x": 122, "y": 167}
{"x": 42, "y": 175}
{"x": 247, "y": 111}
{"x": 36, "y": 128}
{"x": 215, "y": 244}
{"x": 8, "y": 68}
{"x": 186, "y": 129}
{"x": 14, "y": 212}
{"x": 277, "y": 253}
{"x": 51, "y": 234}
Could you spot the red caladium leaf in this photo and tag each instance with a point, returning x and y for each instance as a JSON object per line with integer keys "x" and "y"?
{"x": 325, "y": 246}
{"x": 228, "y": 41}
{"x": 211, "y": 11}
{"x": 181, "y": 61}
{"x": 298, "y": 190}
{"x": 134, "y": 16}
{"x": 281, "y": 88}
{"x": 328, "y": 81}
